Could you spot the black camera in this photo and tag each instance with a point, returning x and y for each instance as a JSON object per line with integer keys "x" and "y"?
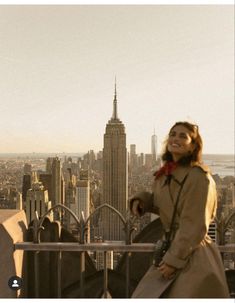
{"x": 160, "y": 250}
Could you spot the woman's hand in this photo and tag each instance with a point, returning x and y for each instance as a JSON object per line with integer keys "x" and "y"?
{"x": 166, "y": 270}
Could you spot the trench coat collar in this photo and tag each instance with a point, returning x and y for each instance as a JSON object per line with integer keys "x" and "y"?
{"x": 181, "y": 171}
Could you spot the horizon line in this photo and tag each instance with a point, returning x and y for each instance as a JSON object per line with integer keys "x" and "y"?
{"x": 20, "y": 153}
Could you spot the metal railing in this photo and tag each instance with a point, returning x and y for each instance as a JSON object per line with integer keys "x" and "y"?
{"x": 105, "y": 247}
{"x": 37, "y": 246}
{"x": 82, "y": 226}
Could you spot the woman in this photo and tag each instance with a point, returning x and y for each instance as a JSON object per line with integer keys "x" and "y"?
{"x": 192, "y": 258}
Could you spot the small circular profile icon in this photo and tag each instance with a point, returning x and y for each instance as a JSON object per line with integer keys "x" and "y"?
{"x": 15, "y": 283}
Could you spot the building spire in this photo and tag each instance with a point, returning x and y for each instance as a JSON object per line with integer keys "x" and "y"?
{"x": 115, "y": 116}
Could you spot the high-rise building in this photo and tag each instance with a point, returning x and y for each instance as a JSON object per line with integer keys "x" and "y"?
{"x": 99, "y": 162}
{"x": 46, "y": 180}
{"x": 53, "y": 167}
{"x": 49, "y": 165}
{"x": 89, "y": 160}
{"x": 37, "y": 200}
{"x": 82, "y": 202}
{"x": 148, "y": 161}
{"x": 154, "y": 148}
{"x": 70, "y": 199}
{"x": 100, "y": 259}
{"x": 56, "y": 181}
{"x": 133, "y": 157}
{"x": 83, "y": 198}
{"x": 140, "y": 160}
{"x": 114, "y": 175}
{"x": 212, "y": 231}
{"x": 27, "y": 181}
{"x": 27, "y": 169}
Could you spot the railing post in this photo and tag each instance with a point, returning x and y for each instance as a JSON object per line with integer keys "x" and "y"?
{"x": 59, "y": 258}
{"x": 82, "y": 273}
{"x": 105, "y": 276}
{"x": 128, "y": 229}
{"x": 36, "y": 229}
{"x": 128, "y": 254}
{"x": 36, "y": 274}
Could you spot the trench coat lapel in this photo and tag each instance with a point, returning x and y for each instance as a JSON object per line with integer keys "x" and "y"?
{"x": 180, "y": 173}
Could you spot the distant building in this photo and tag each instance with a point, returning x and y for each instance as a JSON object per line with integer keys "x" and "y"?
{"x": 19, "y": 202}
{"x": 56, "y": 181}
{"x": 46, "y": 180}
{"x": 133, "y": 157}
{"x": 100, "y": 259}
{"x": 27, "y": 169}
{"x": 53, "y": 167}
{"x": 70, "y": 200}
{"x": 26, "y": 186}
{"x": 99, "y": 162}
{"x": 114, "y": 174}
{"x": 83, "y": 202}
{"x": 212, "y": 232}
{"x": 49, "y": 165}
{"x": 37, "y": 200}
{"x": 154, "y": 148}
{"x": 148, "y": 161}
{"x": 140, "y": 160}
{"x": 84, "y": 174}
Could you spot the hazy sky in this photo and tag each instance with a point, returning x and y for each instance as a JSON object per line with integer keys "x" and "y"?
{"x": 58, "y": 66}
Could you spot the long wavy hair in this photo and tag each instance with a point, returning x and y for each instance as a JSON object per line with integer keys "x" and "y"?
{"x": 196, "y": 155}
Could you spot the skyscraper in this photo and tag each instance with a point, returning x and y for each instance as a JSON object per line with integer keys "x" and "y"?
{"x": 53, "y": 167}
{"x": 27, "y": 182}
{"x": 37, "y": 200}
{"x": 82, "y": 203}
{"x": 154, "y": 147}
{"x": 114, "y": 174}
{"x": 56, "y": 181}
{"x": 133, "y": 157}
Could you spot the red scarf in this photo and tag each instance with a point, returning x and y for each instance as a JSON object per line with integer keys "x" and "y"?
{"x": 166, "y": 169}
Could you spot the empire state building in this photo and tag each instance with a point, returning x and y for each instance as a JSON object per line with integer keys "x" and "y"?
{"x": 114, "y": 175}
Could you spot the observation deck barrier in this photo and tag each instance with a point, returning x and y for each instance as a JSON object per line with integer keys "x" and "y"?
{"x": 81, "y": 247}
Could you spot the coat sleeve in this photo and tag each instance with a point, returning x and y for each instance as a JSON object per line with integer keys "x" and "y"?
{"x": 199, "y": 200}
{"x": 146, "y": 200}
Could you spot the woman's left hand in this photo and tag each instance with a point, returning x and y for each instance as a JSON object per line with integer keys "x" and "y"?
{"x": 167, "y": 271}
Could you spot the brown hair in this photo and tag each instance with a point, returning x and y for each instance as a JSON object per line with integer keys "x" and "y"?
{"x": 196, "y": 155}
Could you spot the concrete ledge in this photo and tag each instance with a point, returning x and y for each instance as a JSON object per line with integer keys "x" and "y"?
{"x": 13, "y": 227}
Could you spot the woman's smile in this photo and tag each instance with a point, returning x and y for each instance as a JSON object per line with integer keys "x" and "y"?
{"x": 179, "y": 142}
{"x": 175, "y": 145}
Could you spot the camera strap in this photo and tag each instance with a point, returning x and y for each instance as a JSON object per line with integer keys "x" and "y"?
{"x": 169, "y": 234}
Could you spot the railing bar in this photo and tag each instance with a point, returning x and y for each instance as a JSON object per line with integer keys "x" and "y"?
{"x": 73, "y": 246}
{"x": 82, "y": 247}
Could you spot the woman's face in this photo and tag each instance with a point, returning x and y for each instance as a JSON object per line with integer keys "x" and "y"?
{"x": 179, "y": 142}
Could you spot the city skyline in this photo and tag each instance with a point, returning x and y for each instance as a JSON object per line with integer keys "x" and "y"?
{"x": 58, "y": 67}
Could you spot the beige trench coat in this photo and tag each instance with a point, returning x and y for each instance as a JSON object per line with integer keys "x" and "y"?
{"x": 192, "y": 252}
